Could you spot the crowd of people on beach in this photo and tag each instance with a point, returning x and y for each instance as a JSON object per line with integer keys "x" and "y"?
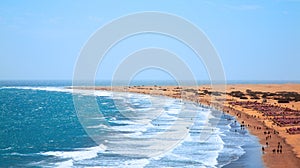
{"x": 287, "y": 121}
{"x": 282, "y": 116}
{"x": 293, "y": 130}
{"x": 267, "y": 109}
{"x": 276, "y": 148}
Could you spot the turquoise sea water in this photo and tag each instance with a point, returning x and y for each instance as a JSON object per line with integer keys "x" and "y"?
{"x": 39, "y": 127}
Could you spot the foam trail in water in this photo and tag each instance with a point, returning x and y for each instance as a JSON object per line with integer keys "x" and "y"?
{"x": 81, "y": 154}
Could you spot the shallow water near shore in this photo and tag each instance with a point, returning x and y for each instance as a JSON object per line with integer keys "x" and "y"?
{"x": 39, "y": 127}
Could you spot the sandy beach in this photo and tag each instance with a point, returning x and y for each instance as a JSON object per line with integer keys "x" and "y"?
{"x": 268, "y": 111}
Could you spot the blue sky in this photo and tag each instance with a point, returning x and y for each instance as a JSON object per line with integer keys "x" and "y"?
{"x": 256, "y": 40}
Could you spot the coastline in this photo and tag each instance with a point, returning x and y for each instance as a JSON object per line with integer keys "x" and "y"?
{"x": 270, "y": 135}
{"x": 251, "y": 155}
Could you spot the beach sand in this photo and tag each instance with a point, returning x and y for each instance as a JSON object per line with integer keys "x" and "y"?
{"x": 261, "y": 126}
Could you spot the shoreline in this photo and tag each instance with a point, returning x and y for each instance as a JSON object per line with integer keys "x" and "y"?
{"x": 271, "y": 136}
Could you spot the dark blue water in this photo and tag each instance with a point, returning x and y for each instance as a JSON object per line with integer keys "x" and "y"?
{"x": 34, "y": 121}
{"x": 39, "y": 127}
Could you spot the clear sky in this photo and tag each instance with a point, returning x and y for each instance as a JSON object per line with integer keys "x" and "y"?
{"x": 256, "y": 40}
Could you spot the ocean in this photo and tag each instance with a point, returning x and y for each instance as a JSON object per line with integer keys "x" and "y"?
{"x": 40, "y": 127}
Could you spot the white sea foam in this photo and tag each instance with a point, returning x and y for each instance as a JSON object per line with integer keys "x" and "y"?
{"x": 65, "y": 164}
{"x": 8, "y": 148}
{"x": 113, "y": 120}
{"x": 77, "y": 155}
{"x": 132, "y": 163}
{"x": 64, "y": 89}
{"x": 19, "y": 154}
{"x": 131, "y": 128}
{"x": 80, "y": 154}
{"x": 98, "y": 126}
{"x": 103, "y": 93}
{"x": 205, "y": 153}
{"x": 168, "y": 111}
